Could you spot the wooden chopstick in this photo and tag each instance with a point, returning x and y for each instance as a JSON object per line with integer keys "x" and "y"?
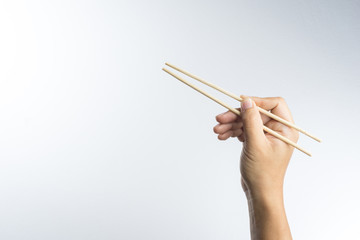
{"x": 267, "y": 113}
{"x": 237, "y": 112}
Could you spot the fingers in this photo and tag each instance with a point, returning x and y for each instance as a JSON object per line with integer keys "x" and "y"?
{"x": 231, "y": 125}
{"x": 237, "y": 132}
{"x": 231, "y": 133}
{"x": 276, "y": 105}
{"x": 228, "y": 130}
{"x": 225, "y": 136}
{"x": 222, "y": 128}
{"x": 241, "y": 137}
{"x": 227, "y": 117}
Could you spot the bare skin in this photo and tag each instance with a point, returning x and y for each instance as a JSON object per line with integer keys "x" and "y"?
{"x": 263, "y": 163}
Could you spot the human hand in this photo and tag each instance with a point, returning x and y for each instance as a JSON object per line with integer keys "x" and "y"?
{"x": 264, "y": 158}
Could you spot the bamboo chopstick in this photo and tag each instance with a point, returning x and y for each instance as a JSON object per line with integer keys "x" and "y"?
{"x": 269, "y": 114}
{"x": 237, "y": 112}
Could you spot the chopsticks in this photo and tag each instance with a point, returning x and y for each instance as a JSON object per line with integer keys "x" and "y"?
{"x": 237, "y": 112}
{"x": 269, "y": 114}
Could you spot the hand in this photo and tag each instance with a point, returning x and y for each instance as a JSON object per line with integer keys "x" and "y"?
{"x": 264, "y": 158}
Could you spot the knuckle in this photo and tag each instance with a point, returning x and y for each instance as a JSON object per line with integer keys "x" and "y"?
{"x": 280, "y": 99}
{"x": 259, "y": 103}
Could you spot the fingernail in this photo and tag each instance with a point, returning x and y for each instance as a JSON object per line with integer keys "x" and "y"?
{"x": 246, "y": 104}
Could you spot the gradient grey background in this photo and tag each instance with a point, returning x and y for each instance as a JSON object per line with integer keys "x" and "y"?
{"x": 96, "y": 142}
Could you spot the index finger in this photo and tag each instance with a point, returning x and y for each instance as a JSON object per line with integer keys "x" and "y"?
{"x": 227, "y": 117}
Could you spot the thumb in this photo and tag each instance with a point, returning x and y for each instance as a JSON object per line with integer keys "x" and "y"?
{"x": 252, "y": 123}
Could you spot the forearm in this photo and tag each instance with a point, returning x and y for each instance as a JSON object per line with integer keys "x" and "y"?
{"x": 267, "y": 216}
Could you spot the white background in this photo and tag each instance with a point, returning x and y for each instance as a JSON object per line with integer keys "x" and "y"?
{"x": 96, "y": 142}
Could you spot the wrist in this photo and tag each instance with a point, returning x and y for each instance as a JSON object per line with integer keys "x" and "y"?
{"x": 268, "y": 197}
{"x": 267, "y": 216}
